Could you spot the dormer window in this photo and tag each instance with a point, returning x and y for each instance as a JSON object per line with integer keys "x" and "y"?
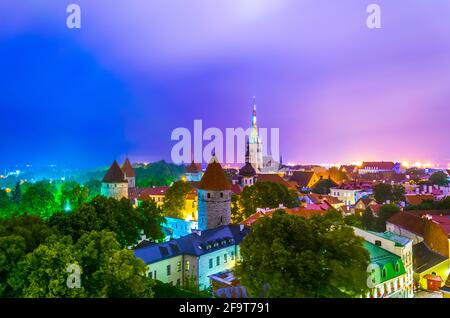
{"x": 221, "y": 194}
{"x": 383, "y": 273}
{"x": 208, "y": 195}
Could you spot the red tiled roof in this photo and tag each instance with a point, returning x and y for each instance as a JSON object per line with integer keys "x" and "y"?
{"x": 236, "y": 189}
{"x": 408, "y": 221}
{"x": 300, "y": 211}
{"x": 416, "y": 199}
{"x": 275, "y": 178}
{"x": 127, "y": 169}
{"x": 214, "y": 178}
{"x": 443, "y": 221}
{"x": 114, "y": 174}
{"x": 152, "y": 191}
{"x": 194, "y": 167}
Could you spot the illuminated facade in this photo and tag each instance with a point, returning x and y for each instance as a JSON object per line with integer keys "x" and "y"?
{"x": 255, "y": 144}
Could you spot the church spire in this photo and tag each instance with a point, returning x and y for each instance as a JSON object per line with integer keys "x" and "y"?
{"x": 254, "y": 137}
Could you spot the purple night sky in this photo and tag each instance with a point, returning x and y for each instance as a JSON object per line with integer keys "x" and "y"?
{"x": 338, "y": 91}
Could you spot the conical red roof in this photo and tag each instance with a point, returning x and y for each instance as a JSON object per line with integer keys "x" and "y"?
{"x": 214, "y": 178}
{"x": 127, "y": 169}
{"x": 114, "y": 174}
{"x": 194, "y": 167}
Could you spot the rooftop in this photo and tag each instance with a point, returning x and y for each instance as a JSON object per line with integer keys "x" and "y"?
{"x": 196, "y": 244}
{"x": 386, "y": 260}
{"x": 397, "y": 239}
{"x": 425, "y": 258}
{"x": 114, "y": 174}
{"x": 214, "y": 178}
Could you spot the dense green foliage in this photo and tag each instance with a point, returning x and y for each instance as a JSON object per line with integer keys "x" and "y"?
{"x": 109, "y": 214}
{"x": 175, "y": 198}
{"x": 266, "y": 195}
{"x": 439, "y": 178}
{"x": 289, "y": 256}
{"x": 159, "y": 173}
{"x": 431, "y": 205}
{"x": 384, "y": 192}
{"x": 107, "y": 270}
{"x": 378, "y": 224}
{"x": 323, "y": 186}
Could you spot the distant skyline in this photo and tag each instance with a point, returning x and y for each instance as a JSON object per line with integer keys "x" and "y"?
{"x": 338, "y": 91}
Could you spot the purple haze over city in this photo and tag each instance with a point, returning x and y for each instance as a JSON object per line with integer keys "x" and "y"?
{"x": 338, "y": 91}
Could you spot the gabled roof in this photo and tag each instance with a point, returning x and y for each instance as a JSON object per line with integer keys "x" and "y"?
{"x": 275, "y": 178}
{"x": 366, "y": 201}
{"x": 302, "y": 178}
{"x": 424, "y": 258}
{"x": 194, "y": 168}
{"x": 114, "y": 174}
{"x": 416, "y": 199}
{"x": 152, "y": 191}
{"x": 214, "y": 178}
{"x": 127, "y": 169}
{"x": 194, "y": 244}
{"x": 408, "y": 221}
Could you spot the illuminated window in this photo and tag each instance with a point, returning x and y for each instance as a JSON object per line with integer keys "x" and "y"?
{"x": 187, "y": 265}
{"x": 179, "y": 266}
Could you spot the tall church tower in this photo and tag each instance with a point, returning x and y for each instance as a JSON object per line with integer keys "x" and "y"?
{"x": 255, "y": 144}
{"x": 214, "y": 197}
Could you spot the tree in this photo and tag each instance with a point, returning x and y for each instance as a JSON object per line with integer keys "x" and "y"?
{"x": 386, "y": 211}
{"x": 31, "y": 228}
{"x": 439, "y": 178}
{"x": 110, "y": 271}
{"x": 150, "y": 220}
{"x": 17, "y": 194}
{"x": 12, "y": 250}
{"x": 38, "y": 199}
{"x": 237, "y": 214}
{"x": 114, "y": 215}
{"x": 323, "y": 186}
{"x": 398, "y": 193}
{"x": 175, "y": 198}
{"x": 368, "y": 219}
{"x": 290, "y": 256}
{"x": 382, "y": 192}
{"x": 266, "y": 195}
{"x": 43, "y": 273}
{"x": 71, "y": 195}
{"x": 7, "y": 206}
{"x": 107, "y": 270}
{"x": 94, "y": 188}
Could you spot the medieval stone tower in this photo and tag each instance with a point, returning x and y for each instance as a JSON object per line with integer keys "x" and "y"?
{"x": 214, "y": 198}
{"x": 128, "y": 171}
{"x": 114, "y": 184}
